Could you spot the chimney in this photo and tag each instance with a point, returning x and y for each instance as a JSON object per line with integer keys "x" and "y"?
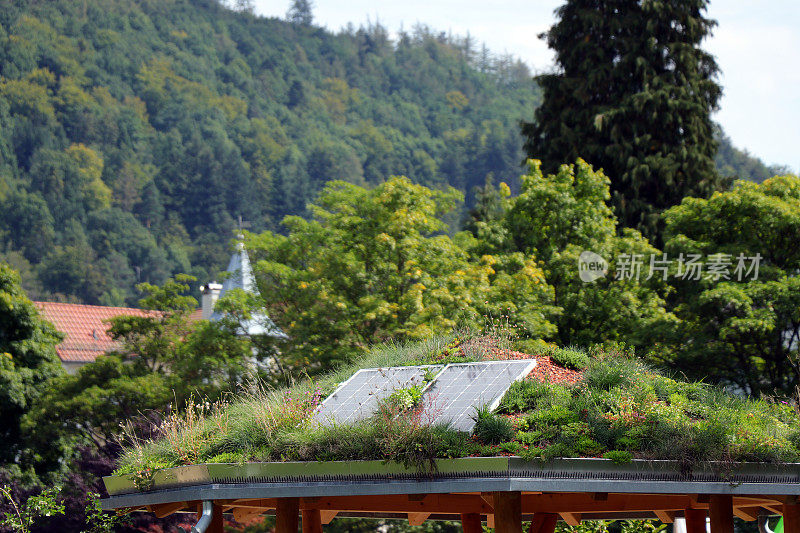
{"x": 210, "y": 294}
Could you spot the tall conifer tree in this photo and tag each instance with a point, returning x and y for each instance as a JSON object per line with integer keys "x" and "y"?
{"x": 633, "y": 95}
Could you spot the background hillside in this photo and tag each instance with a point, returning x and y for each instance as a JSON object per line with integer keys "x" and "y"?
{"x": 134, "y": 134}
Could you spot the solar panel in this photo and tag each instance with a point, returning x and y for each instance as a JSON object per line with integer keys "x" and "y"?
{"x": 357, "y": 398}
{"x": 461, "y": 387}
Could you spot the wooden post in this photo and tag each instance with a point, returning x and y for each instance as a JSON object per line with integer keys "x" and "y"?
{"x": 791, "y": 518}
{"x": 543, "y": 523}
{"x": 471, "y": 523}
{"x": 721, "y": 513}
{"x": 312, "y": 521}
{"x": 507, "y": 512}
{"x": 286, "y": 514}
{"x": 216, "y": 520}
{"x": 695, "y": 520}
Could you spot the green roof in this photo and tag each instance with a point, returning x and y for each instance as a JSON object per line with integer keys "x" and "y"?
{"x": 606, "y": 404}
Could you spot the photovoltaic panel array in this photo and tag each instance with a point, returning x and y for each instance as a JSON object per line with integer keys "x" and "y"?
{"x": 462, "y": 387}
{"x": 358, "y": 397}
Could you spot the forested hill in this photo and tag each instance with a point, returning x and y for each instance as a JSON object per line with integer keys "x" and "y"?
{"x": 134, "y": 134}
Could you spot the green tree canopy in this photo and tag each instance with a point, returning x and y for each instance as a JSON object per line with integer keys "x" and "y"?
{"x": 27, "y": 360}
{"x": 375, "y": 264}
{"x": 557, "y": 217}
{"x": 633, "y": 95}
{"x": 740, "y": 327}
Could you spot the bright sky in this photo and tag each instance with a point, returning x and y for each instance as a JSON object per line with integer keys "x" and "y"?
{"x": 756, "y": 44}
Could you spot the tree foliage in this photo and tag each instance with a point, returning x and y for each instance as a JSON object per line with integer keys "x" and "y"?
{"x": 374, "y": 264}
{"x": 559, "y": 216}
{"x": 134, "y": 135}
{"x": 164, "y": 360}
{"x": 27, "y": 361}
{"x": 633, "y": 95}
{"x": 741, "y": 330}
{"x": 168, "y": 121}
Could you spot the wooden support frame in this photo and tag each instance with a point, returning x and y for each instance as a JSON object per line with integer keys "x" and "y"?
{"x": 287, "y": 515}
{"x": 695, "y": 520}
{"x": 571, "y": 506}
{"x": 791, "y": 517}
{"x": 166, "y": 509}
{"x": 543, "y": 523}
{"x": 501, "y": 510}
{"x": 217, "y": 522}
{"x": 312, "y": 521}
{"x": 507, "y": 512}
{"x": 245, "y": 514}
{"x": 326, "y": 517}
{"x": 721, "y": 513}
{"x": 748, "y": 514}
{"x": 417, "y": 519}
{"x": 471, "y": 523}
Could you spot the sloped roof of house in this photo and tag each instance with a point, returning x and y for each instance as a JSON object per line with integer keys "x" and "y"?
{"x": 84, "y": 327}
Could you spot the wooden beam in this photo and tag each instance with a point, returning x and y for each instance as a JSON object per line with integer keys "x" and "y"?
{"x": 791, "y": 518}
{"x": 327, "y": 516}
{"x": 586, "y": 503}
{"x": 217, "y": 524}
{"x": 695, "y": 520}
{"x": 471, "y": 523}
{"x": 286, "y": 513}
{"x": 166, "y": 509}
{"x": 748, "y": 514}
{"x": 554, "y": 503}
{"x": 721, "y": 513}
{"x": 572, "y": 519}
{"x": 507, "y": 512}
{"x": 666, "y": 517}
{"x": 434, "y": 503}
{"x": 312, "y": 521}
{"x": 417, "y": 519}
{"x": 543, "y": 523}
{"x": 256, "y": 503}
{"x": 600, "y": 496}
{"x": 488, "y": 497}
{"x": 244, "y": 514}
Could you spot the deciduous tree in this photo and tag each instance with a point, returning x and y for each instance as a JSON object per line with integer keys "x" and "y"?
{"x": 558, "y": 216}
{"x": 27, "y": 360}
{"x": 375, "y": 264}
{"x": 740, "y": 324}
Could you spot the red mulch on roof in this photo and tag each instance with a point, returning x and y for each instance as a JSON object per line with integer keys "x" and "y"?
{"x": 546, "y": 370}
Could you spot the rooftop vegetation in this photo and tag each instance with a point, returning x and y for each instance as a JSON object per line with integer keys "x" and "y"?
{"x": 610, "y": 405}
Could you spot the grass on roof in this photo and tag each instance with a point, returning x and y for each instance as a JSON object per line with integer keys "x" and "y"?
{"x": 619, "y": 408}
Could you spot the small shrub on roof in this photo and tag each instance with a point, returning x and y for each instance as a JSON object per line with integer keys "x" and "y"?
{"x": 491, "y": 428}
{"x": 571, "y": 358}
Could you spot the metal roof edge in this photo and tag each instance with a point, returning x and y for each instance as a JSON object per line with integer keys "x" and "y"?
{"x": 463, "y": 474}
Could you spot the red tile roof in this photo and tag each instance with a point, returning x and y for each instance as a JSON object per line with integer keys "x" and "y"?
{"x": 84, "y": 328}
{"x": 195, "y": 315}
